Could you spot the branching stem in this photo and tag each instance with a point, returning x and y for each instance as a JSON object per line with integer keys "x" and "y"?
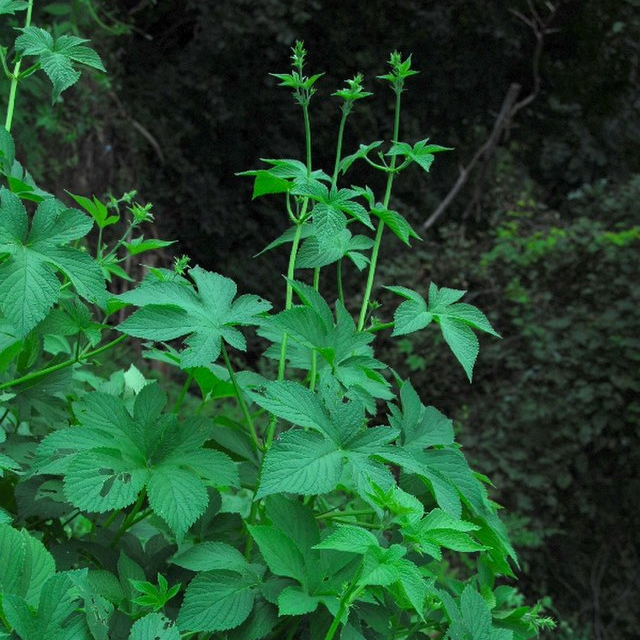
{"x": 13, "y": 91}
{"x": 34, "y": 375}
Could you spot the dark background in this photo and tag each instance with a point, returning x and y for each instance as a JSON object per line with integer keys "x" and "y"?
{"x": 544, "y": 234}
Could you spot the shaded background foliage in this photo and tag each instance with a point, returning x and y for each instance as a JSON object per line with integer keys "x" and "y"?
{"x": 545, "y": 235}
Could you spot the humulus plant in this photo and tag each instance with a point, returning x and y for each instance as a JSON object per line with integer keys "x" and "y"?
{"x": 333, "y": 503}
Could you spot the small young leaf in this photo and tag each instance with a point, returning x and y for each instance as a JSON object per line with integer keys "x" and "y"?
{"x": 58, "y": 57}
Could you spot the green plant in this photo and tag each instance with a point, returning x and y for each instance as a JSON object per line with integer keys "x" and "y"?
{"x": 314, "y": 511}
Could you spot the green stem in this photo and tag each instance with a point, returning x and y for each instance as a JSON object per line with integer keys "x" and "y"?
{"x": 366, "y": 525}
{"x": 307, "y": 135}
{"x": 314, "y": 354}
{"x": 118, "y": 244}
{"x": 378, "y": 239}
{"x": 289, "y": 295}
{"x": 99, "y": 249}
{"x": 339, "y": 278}
{"x": 63, "y": 365}
{"x": 350, "y": 595}
{"x": 343, "y": 120}
{"x": 129, "y": 520}
{"x": 337, "y": 514}
{"x": 381, "y": 326}
{"x": 109, "y": 521}
{"x": 183, "y": 393}
{"x": 241, "y": 400}
{"x": 14, "y": 80}
{"x": 253, "y": 516}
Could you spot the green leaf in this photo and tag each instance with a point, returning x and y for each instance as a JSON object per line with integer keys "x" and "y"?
{"x": 58, "y": 57}
{"x": 279, "y": 552}
{"x": 305, "y": 463}
{"x": 262, "y": 620}
{"x": 472, "y": 619}
{"x": 456, "y": 320}
{"x": 156, "y": 626}
{"x": 7, "y": 150}
{"x": 420, "y": 152}
{"x": 297, "y": 521}
{"x": 173, "y": 308}
{"x": 463, "y": 342}
{"x": 58, "y": 613}
{"x": 217, "y": 601}
{"x": 287, "y": 236}
{"x": 97, "y": 210}
{"x": 266, "y": 183}
{"x": 210, "y": 556}
{"x": 115, "y": 452}
{"x": 349, "y": 538}
{"x": 140, "y": 245}
{"x": 362, "y": 152}
{"x": 26, "y": 564}
{"x": 397, "y": 223}
{"x": 421, "y": 426}
{"x": 28, "y": 285}
{"x": 413, "y": 584}
{"x": 293, "y": 402}
{"x": 179, "y": 497}
{"x": 9, "y": 7}
{"x": 100, "y": 480}
{"x": 344, "y": 349}
{"x": 293, "y": 601}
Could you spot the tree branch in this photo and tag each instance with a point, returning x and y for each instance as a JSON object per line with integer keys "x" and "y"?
{"x": 541, "y": 28}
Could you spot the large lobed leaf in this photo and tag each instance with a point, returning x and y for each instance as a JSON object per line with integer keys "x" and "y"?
{"x": 173, "y": 308}
{"x": 28, "y": 283}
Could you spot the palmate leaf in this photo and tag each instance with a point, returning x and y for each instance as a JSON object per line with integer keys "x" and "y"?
{"x": 336, "y": 442}
{"x": 28, "y": 283}
{"x": 457, "y": 320}
{"x": 340, "y": 345}
{"x": 318, "y": 251}
{"x": 58, "y": 56}
{"x": 113, "y": 454}
{"x": 172, "y": 308}
{"x": 385, "y": 567}
{"x": 279, "y": 178}
{"x": 333, "y": 207}
{"x": 421, "y": 153}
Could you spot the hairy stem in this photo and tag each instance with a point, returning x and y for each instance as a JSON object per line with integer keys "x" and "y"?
{"x": 241, "y": 400}
{"x": 378, "y": 240}
{"x": 13, "y": 91}
{"x": 34, "y": 375}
